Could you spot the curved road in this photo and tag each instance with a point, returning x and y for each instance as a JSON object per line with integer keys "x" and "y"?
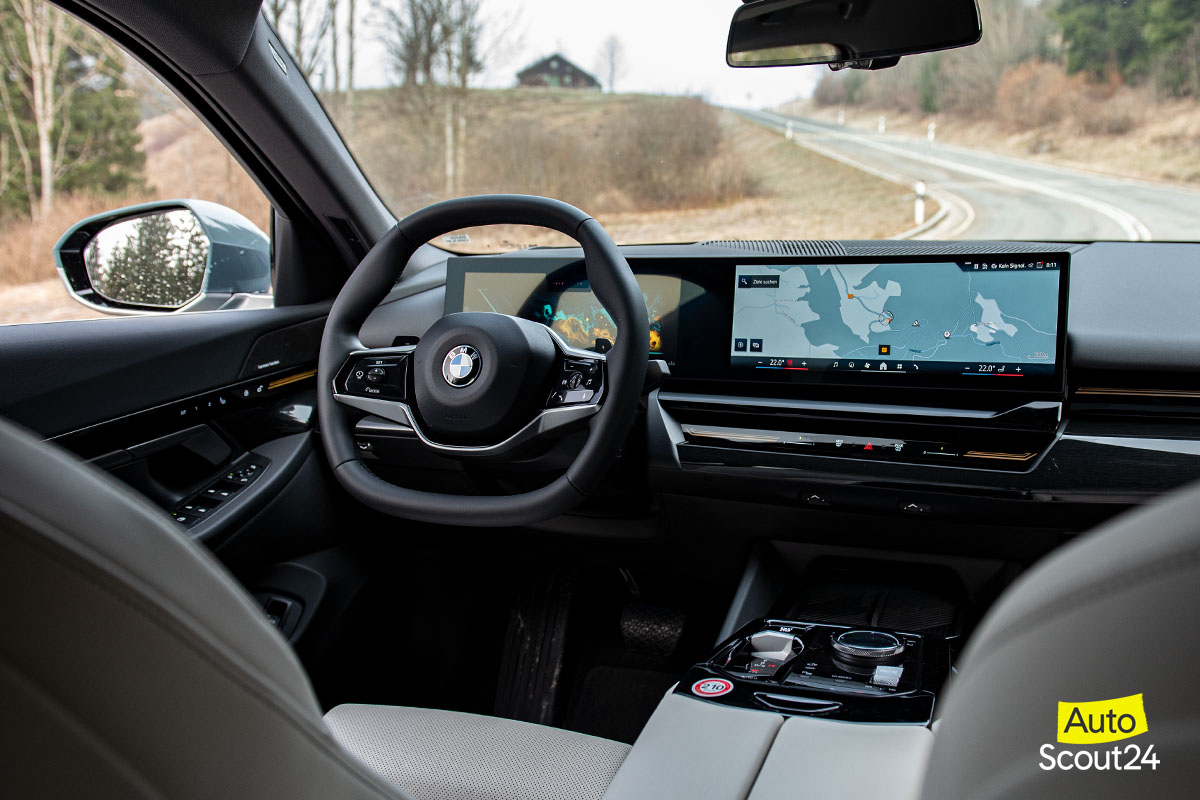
{"x": 990, "y": 196}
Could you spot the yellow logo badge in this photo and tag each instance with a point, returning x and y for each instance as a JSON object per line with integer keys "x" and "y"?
{"x": 1101, "y": 721}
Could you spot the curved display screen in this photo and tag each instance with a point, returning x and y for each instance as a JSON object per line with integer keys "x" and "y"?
{"x": 995, "y": 318}
{"x": 563, "y": 301}
{"x": 946, "y": 322}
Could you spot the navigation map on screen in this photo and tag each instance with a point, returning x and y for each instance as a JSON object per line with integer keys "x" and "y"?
{"x": 997, "y": 317}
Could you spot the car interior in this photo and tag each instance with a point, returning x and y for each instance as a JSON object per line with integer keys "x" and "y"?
{"x": 430, "y": 525}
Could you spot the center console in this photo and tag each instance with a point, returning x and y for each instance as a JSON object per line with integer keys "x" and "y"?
{"x": 769, "y": 716}
{"x": 852, "y": 674}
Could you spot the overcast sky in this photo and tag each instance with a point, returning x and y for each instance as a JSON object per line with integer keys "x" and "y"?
{"x": 672, "y": 46}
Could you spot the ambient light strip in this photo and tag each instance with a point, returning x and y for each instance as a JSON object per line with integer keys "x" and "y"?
{"x": 999, "y": 456}
{"x": 1188, "y": 393}
{"x": 732, "y": 436}
{"x": 299, "y": 376}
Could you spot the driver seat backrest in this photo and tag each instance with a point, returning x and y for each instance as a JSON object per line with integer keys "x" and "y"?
{"x": 1114, "y": 614}
{"x": 131, "y": 664}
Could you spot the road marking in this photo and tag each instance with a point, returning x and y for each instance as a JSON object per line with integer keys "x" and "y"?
{"x": 1131, "y": 225}
{"x": 947, "y": 201}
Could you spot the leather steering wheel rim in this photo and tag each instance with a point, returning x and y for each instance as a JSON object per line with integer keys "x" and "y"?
{"x": 610, "y": 279}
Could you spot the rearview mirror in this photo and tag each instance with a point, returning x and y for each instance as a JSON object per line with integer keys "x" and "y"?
{"x": 173, "y": 255}
{"x": 864, "y": 34}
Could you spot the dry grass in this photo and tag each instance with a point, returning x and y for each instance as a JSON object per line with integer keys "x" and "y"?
{"x": 802, "y": 195}
{"x": 43, "y": 301}
{"x": 183, "y": 159}
{"x": 606, "y": 153}
{"x": 753, "y": 183}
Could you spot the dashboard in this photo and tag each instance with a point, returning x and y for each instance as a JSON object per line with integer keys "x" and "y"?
{"x": 1032, "y": 385}
{"x": 887, "y": 322}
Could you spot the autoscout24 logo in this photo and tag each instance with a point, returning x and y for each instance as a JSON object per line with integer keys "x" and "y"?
{"x": 1097, "y": 723}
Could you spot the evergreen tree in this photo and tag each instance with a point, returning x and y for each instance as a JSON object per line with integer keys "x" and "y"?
{"x": 88, "y": 116}
{"x": 158, "y": 259}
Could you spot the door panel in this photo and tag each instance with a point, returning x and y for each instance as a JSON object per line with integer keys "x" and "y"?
{"x": 208, "y": 415}
{"x": 64, "y": 376}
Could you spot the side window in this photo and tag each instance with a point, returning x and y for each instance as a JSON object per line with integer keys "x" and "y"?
{"x": 86, "y": 132}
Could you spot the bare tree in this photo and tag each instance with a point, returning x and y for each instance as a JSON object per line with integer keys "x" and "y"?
{"x": 612, "y": 61}
{"x": 34, "y": 49}
{"x": 351, "y": 45}
{"x": 303, "y": 25}
{"x": 435, "y": 51}
{"x": 335, "y": 63}
{"x": 414, "y": 35}
{"x": 6, "y": 165}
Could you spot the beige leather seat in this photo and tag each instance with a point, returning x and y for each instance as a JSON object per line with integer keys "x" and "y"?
{"x": 133, "y": 665}
{"x": 1114, "y": 614}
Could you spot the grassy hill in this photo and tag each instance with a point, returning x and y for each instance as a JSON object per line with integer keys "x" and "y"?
{"x": 650, "y": 168}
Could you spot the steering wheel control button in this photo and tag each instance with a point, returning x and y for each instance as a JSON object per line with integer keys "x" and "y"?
{"x": 579, "y": 381}
{"x": 377, "y": 376}
{"x": 461, "y": 366}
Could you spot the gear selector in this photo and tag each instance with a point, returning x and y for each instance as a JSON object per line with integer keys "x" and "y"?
{"x": 816, "y": 669}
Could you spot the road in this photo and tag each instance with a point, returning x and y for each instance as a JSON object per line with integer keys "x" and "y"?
{"x": 991, "y": 196}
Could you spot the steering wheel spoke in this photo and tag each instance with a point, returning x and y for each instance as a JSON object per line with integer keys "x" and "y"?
{"x": 377, "y": 382}
{"x": 375, "y": 374}
{"x": 482, "y": 384}
{"x": 580, "y": 376}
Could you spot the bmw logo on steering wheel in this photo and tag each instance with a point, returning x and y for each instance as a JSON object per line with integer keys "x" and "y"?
{"x": 461, "y": 366}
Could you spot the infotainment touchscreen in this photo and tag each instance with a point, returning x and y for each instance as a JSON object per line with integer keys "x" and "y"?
{"x": 995, "y": 318}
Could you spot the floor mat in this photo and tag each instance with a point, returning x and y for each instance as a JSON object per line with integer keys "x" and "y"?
{"x": 615, "y": 702}
{"x": 534, "y": 644}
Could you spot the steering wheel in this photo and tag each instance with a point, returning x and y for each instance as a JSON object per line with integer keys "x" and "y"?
{"x": 482, "y": 384}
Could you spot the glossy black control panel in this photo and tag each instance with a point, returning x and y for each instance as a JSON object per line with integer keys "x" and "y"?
{"x": 579, "y": 381}
{"x": 382, "y": 376}
{"x": 1016, "y": 451}
{"x": 217, "y": 496}
{"x": 835, "y": 671}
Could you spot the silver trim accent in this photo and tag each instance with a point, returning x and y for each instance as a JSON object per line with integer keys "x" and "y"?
{"x": 574, "y": 352}
{"x": 371, "y": 425}
{"x": 857, "y": 408}
{"x": 546, "y": 421}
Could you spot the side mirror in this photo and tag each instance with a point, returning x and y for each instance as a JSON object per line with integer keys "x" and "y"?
{"x": 172, "y": 255}
{"x": 865, "y": 34}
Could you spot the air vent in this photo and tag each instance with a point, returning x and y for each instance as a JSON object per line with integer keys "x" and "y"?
{"x": 889, "y": 247}
{"x": 1160, "y": 398}
{"x": 781, "y": 247}
{"x": 877, "y": 248}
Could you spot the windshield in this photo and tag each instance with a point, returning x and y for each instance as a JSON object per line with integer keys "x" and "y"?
{"x": 627, "y": 110}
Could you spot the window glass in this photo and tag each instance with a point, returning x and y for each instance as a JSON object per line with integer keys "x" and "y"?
{"x": 110, "y": 135}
